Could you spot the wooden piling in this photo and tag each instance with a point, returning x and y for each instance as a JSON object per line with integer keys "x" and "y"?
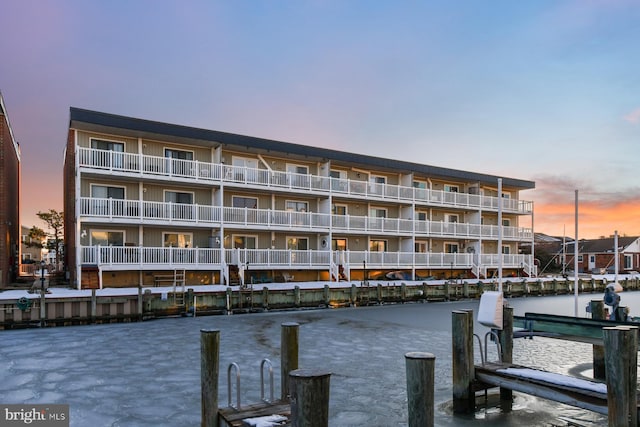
{"x": 288, "y": 355}
{"x": 597, "y": 312}
{"x": 140, "y": 303}
{"x": 94, "y": 303}
{"x": 310, "y": 390}
{"x": 621, "y": 361}
{"x": 462, "y": 361}
{"x": 209, "y": 373}
{"x": 506, "y": 344}
{"x": 420, "y": 369}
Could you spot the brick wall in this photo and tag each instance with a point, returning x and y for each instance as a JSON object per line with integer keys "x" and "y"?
{"x": 70, "y": 208}
{"x": 9, "y": 204}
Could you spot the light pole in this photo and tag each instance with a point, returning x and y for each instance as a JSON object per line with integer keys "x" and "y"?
{"x": 364, "y": 271}
{"x": 42, "y": 294}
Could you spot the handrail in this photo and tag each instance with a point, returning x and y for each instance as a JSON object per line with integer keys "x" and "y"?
{"x": 269, "y": 365}
{"x": 237, "y": 369}
{"x": 235, "y": 175}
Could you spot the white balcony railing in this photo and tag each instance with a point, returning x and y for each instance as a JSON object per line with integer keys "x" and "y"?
{"x": 145, "y": 211}
{"x": 193, "y": 170}
{"x": 211, "y": 259}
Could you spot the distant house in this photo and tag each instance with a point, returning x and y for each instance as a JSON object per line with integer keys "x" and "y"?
{"x": 597, "y": 256}
{"x": 30, "y": 254}
{"x": 9, "y": 200}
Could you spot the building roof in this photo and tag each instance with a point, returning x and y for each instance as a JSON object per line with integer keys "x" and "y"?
{"x": 604, "y": 245}
{"x": 128, "y": 126}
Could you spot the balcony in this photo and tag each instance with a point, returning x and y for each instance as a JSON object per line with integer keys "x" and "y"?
{"x": 145, "y": 212}
{"x": 192, "y": 171}
{"x": 153, "y": 258}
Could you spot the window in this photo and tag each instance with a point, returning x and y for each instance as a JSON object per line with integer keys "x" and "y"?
{"x": 101, "y": 144}
{"x": 506, "y": 222}
{"x": 378, "y": 246}
{"x": 170, "y": 153}
{"x": 338, "y": 174}
{"x": 298, "y": 243}
{"x": 421, "y": 246}
{"x": 115, "y": 153}
{"x": 338, "y": 180}
{"x": 628, "y": 262}
{"x": 178, "y": 197}
{"x": 592, "y": 258}
{"x": 420, "y": 184}
{"x": 244, "y": 169}
{"x": 376, "y": 179}
{"x": 451, "y": 218}
{"x": 177, "y": 240}
{"x": 378, "y": 212}
{"x": 579, "y": 258}
{"x": 339, "y": 209}
{"x": 451, "y": 248}
{"x": 421, "y": 216}
{"x": 244, "y": 202}
{"x": 107, "y": 238}
{"x": 339, "y": 244}
{"x": 182, "y": 204}
{"x": 105, "y": 192}
{"x": 451, "y": 188}
{"x": 295, "y": 206}
{"x": 506, "y": 250}
{"x": 178, "y": 161}
{"x": 245, "y": 242}
{"x": 303, "y": 170}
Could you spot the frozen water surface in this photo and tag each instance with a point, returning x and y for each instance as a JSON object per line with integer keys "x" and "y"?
{"x": 148, "y": 373}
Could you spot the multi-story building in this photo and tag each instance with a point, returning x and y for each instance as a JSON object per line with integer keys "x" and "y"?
{"x": 143, "y": 197}
{"x": 9, "y": 200}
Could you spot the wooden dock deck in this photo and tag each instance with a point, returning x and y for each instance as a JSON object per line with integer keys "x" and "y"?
{"x": 233, "y": 417}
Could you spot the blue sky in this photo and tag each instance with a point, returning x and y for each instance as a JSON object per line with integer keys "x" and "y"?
{"x": 542, "y": 90}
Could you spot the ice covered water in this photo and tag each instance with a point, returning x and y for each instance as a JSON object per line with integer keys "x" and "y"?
{"x": 148, "y": 373}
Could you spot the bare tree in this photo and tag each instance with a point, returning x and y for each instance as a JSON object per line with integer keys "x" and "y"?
{"x": 55, "y": 222}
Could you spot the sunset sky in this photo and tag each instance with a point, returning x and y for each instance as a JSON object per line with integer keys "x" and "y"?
{"x": 547, "y": 91}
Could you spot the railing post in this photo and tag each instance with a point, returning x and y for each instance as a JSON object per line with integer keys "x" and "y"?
{"x": 462, "y": 361}
{"x": 310, "y": 390}
{"x": 289, "y": 356}
{"x": 596, "y": 307}
{"x": 621, "y": 361}
{"x": 209, "y": 372}
{"x": 420, "y": 369}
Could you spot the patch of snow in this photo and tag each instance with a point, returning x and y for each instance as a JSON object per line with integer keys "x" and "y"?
{"x": 553, "y": 378}
{"x": 268, "y": 421}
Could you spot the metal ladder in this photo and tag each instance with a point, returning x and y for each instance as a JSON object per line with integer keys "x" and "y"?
{"x": 265, "y": 363}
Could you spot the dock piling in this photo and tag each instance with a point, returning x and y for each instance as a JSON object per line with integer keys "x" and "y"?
{"x": 621, "y": 361}
{"x": 506, "y": 344}
{"x": 209, "y": 373}
{"x": 310, "y": 390}
{"x": 420, "y": 369}
{"x": 289, "y": 355}
{"x": 462, "y": 361}
{"x": 597, "y": 312}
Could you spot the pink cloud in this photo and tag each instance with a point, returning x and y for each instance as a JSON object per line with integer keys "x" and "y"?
{"x": 633, "y": 117}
